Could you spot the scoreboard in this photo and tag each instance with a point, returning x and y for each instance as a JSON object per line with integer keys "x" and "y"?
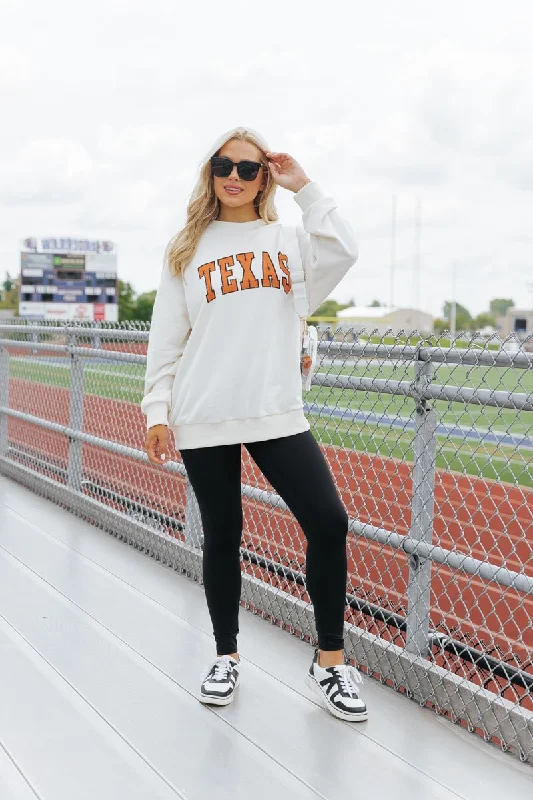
{"x": 68, "y": 279}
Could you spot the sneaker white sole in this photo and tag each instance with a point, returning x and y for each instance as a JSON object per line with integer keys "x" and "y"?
{"x": 212, "y": 700}
{"x": 359, "y": 716}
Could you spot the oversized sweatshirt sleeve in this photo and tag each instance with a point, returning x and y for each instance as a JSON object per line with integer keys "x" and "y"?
{"x": 327, "y": 243}
{"x": 169, "y": 331}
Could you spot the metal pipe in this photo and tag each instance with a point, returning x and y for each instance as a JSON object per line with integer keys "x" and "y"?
{"x": 87, "y": 332}
{"x": 518, "y": 401}
{"x": 422, "y": 513}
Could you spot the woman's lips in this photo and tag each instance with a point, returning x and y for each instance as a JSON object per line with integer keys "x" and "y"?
{"x": 232, "y": 189}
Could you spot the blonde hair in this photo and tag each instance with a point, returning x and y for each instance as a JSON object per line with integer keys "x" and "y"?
{"x": 204, "y": 205}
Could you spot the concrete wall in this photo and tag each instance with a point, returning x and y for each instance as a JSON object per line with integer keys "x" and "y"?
{"x": 409, "y": 319}
{"x": 406, "y": 319}
{"x": 507, "y": 325}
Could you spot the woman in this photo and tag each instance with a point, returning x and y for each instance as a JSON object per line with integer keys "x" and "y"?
{"x": 223, "y": 369}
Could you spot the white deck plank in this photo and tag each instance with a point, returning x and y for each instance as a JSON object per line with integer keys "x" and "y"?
{"x": 13, "y": 784}
{"x": 60, "y": 744}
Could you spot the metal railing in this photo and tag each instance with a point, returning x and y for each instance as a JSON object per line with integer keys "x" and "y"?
{"x": 430, "y": 443}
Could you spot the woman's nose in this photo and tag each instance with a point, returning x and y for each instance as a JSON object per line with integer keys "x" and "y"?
{"x": 234, "y": 173}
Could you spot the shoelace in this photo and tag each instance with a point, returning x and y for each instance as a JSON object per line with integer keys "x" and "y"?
{"x": 222, "y": 668}
{"x": 348, "y": 677}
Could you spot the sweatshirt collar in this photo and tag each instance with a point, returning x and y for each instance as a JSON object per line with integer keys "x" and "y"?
{"x": 222, "y": 224}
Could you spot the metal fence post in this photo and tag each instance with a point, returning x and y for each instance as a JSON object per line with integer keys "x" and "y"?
{"x": 422, "y": 505}
{"x": 193, "y": 523}
{"x": 95, "y": 336}
{"x": 35, "y": 337}
{"x": 4, "y": 399}
{"x": 76, "y": 417}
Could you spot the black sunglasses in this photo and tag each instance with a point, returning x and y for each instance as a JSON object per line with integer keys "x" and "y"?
{"x": 222, "y": 167}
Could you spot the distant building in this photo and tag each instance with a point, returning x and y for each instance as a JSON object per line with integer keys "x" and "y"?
{"x": 384, "y": 318}
{"x": 516, "y": 321}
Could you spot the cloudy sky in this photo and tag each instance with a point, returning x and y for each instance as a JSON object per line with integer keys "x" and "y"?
{"x": 108, "y": 107}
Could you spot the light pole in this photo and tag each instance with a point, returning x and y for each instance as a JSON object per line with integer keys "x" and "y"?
{"x": 453, "y": 310}
{"x": 393, "y": 252}
{"x": 416, "y": 258}
{"x": 530, "y": 286}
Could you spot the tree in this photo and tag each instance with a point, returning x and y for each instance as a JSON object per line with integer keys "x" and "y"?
{"x": 459, "y": 309}
{"x": 145, "y": 306}
{"x": 9, "y": 294}
{"x": 463, "y": 318}
{"x": 10, "y": 299}
{"x": 440, "y": 325}
{"x": 126, "y": 301}
{"x": 330, "y": 308}
{"x": 483, "y": 320}
{"x": 375, "y": 304}
{"x": 499, "y": 306}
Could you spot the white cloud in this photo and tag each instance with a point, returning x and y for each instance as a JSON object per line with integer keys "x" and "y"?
{"x": 108, "y": 118}
{"x": 15, "y": 68}
{"x": 47, "y": 171}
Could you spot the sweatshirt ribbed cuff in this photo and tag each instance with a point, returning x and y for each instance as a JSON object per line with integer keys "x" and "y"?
{"x": 156, "y": 414}
{"x": 310, "y": 193}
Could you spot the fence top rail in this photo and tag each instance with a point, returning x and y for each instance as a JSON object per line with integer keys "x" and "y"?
{"x": 476, "y": 357}
{"x": 458, "y": 394}
{"x": 92, "y": 332}
{"x": 474, "y": 354}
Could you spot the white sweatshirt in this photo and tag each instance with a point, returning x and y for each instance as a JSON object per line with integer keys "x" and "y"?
{"x": 223, "y": 359}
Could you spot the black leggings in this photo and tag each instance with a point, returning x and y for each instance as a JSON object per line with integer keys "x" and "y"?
{"x": 296, "y": 468}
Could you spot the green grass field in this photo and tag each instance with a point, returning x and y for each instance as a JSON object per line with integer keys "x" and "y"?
{"x": 125, "y": 382}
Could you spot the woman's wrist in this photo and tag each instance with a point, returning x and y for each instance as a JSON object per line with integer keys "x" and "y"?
{"x": 300, "y": 183}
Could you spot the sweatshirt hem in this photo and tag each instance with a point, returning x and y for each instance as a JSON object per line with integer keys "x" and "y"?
{"x": 239, "y": 431}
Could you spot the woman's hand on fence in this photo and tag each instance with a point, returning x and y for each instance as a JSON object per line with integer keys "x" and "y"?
{"x": 156, "y": 444}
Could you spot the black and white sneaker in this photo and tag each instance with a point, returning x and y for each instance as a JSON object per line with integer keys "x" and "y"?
{"x": 337, "y": 688}
{"x": 220, "y": 681}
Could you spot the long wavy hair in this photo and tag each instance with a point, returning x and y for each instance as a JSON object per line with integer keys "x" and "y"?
{"x": 204, "y": 205}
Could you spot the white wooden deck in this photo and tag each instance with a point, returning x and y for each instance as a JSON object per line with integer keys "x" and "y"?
{"x": 101, "y": 652}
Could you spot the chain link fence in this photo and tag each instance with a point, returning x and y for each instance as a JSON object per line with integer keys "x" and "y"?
{"x": 430, "y": 442}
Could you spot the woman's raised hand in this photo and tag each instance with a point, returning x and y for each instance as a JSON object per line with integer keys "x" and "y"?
{"x": 287, "y": 172}
{"x": 156, "y": 444}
